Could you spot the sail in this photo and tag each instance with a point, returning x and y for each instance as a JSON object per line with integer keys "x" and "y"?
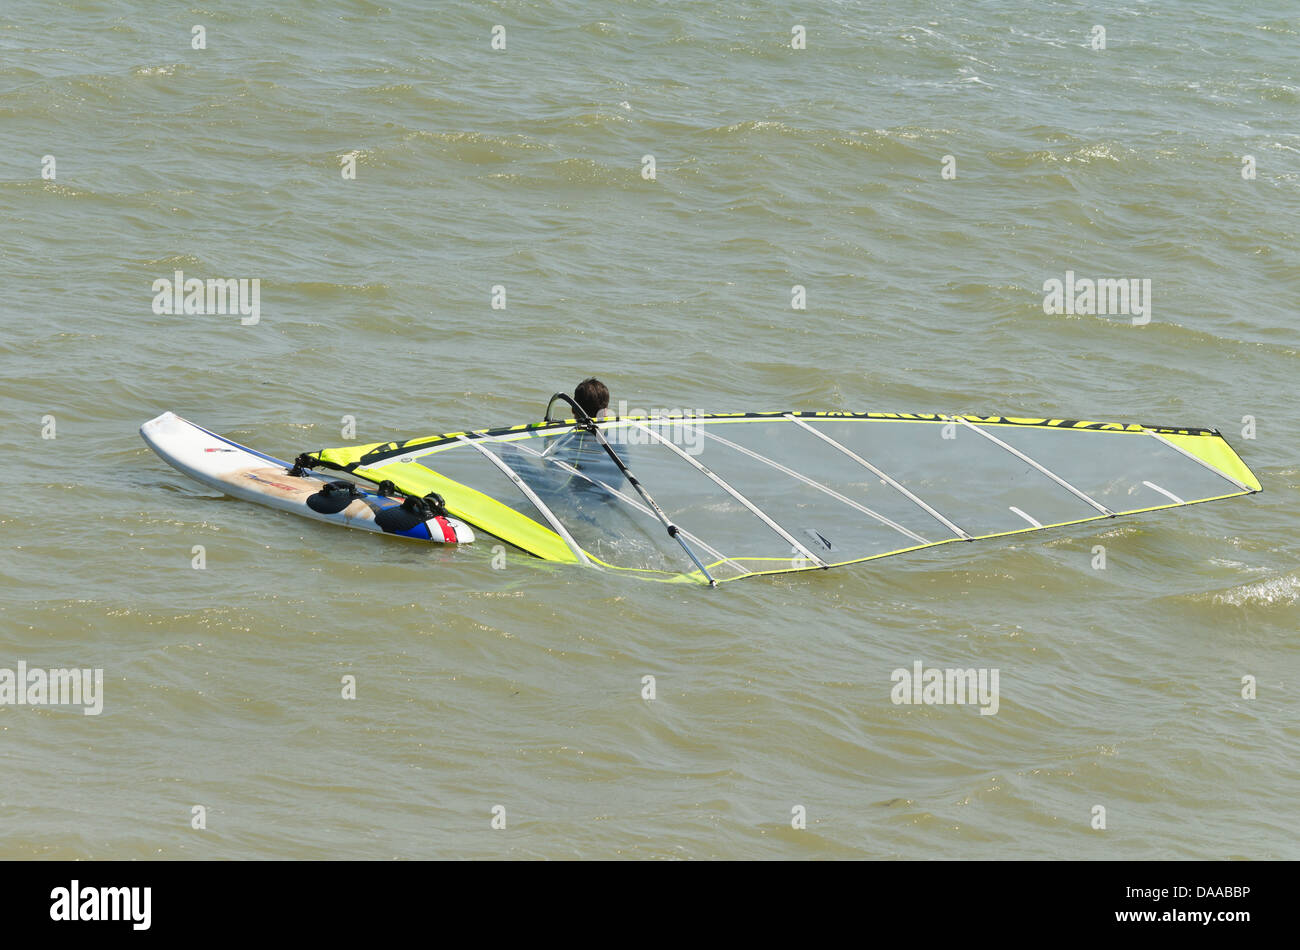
{"x": 772, "y": 492}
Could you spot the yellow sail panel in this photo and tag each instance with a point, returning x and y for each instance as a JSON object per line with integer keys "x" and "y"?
{"x": 347, "y": 455}
{"x": 1215, "y": 451}
{"x": 474, "y": 507}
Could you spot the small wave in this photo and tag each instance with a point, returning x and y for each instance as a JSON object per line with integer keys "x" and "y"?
{"x": 752, "y": 125}
{"x": 169, "y": 70}
{"x": 1276, "y": 590}
{"x": 173, "y": 262}
{"x": 316, "y": 290}
{"x": 66, "y": 191}
{"x": 1083, "y": 155}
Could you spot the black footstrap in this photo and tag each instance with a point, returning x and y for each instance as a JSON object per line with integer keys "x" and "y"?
{"x": 429, "y": 507}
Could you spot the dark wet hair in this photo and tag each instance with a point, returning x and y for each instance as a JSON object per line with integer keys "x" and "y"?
{"x": 592, "y": 395}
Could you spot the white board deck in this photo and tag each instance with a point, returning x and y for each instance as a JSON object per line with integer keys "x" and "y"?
{"x": 240, "y": 472}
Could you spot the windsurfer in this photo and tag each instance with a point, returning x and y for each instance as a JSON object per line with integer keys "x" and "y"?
{"x": 593, "y": 396}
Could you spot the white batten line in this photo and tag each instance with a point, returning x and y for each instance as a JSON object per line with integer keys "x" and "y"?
{"x": 725, "y": 486}
{"x": 565, "y": 466}
{"x": 531, "y": 495}
{"x": 1164, "y": 491}
{"x": 1042, "y": 468}
{"x": 882, "y": 476}
{"x": 1030, "y": 518}
{"x": 817, "y": 485}
{"x": 1196, "y": 458}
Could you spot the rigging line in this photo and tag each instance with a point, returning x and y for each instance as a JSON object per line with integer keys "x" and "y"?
{"x": 630, "y": 501}
{"x": 590, "y": 425}
{"x": 725, "y": 486}
{"x": 817, "y": 485}
{"x": 882, "y": 476}
{"x": 531, "y": 495}
{"x": 1042, "y": 468}
{"x": 1196, "y": 458}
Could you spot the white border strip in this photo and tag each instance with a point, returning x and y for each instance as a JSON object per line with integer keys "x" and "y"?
{"x": 1199, "y": 460}
{"x": 817, "y": 485}
{"x": 882, "y": 476}
{"x": 721, "y": 483}
{"x": 531, "y": 495}
{"x": 1042, "y": 468}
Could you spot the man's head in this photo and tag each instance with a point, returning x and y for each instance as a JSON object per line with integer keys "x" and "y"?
{"x": 592, "y": 395}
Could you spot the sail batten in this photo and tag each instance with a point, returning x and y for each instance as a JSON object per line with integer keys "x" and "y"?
{"x": 722, "y": 483}
{"x": 955, "y": 529}
{"x": 1042, "y": 468}
{"x": 540, "y": 505}
{"x": 819, "y": 486}
{"x": 633, "y": 502}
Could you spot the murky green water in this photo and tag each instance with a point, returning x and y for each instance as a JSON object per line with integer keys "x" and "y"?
{"x": 522, "y": 168}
